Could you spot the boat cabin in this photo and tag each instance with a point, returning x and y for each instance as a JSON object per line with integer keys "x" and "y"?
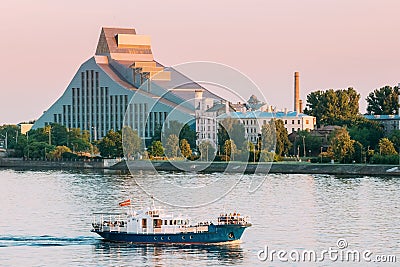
{"x": 143, "y": 221}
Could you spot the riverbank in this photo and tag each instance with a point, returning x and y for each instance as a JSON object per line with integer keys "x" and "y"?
{"x": 206, "y": 167}
{"x": 21, "y": 163}
{"x": 276, "y": 167}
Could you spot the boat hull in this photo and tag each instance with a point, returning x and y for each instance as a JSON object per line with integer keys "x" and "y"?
{"x": 216, "y": 234}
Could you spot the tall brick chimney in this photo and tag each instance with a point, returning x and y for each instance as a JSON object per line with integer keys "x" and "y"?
{"x": 296, "y": 92}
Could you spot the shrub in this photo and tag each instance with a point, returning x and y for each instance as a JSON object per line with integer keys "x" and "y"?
{"x": 221, "y": 158}
{"x": 387, "y": 159}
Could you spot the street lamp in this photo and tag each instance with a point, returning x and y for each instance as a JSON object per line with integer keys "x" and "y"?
{"x": 321, "y": 154}
{"x": 27, "y": 142}
{"x": 298, "y": 151}
{"x": 6, "y": 140}
{"x": 49, "y": 134}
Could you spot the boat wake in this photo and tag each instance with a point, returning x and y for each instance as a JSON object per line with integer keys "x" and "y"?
{"x": 45, "y": 241}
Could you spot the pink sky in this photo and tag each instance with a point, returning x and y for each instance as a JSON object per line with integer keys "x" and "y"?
{"x": 332, "y": 43}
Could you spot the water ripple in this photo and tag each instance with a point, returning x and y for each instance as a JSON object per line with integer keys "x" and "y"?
{"x": 45, "y": 241}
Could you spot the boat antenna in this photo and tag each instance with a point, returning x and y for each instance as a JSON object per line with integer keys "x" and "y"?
{"x": 154, "y": 205}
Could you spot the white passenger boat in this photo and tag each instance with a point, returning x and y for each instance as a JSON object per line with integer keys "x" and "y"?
{"x": 154, "y": 225}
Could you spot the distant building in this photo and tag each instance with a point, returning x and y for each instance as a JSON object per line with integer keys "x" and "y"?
{"x": 207, "y": 112}
{"x": 123, "y": 68}
{"x": 25, "y": 127}
{"x": 388, "y": 122}
{"x": 322, "y": 133}
{"x": 254, "y": 120}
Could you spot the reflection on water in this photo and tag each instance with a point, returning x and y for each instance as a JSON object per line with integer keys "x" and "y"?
{"x": 46, "y": 216}
{"x": 161, "y": 255}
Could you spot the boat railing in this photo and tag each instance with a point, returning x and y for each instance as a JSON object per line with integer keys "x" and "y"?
{"x": 232, "y": 218}
{"x": 109, "y": 222}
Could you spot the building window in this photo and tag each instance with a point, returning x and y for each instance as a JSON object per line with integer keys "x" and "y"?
{"x": 298, "y": 121}
{"x": 307, "y": 121}
{"x": 292, "y": 121}
{"x": 285, "y": 121}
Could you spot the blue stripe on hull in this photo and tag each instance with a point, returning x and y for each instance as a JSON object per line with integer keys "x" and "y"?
{"x": 221, "y": 234}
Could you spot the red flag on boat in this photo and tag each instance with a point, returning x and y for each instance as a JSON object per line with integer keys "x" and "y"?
{"x": 125, "y": 203}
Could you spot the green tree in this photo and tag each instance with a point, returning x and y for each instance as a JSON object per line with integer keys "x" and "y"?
{"x": 39, "y": 135}
{"x": 332, "y": 107}
{"x": 188, "y": 134}
{"x": 383, "y": 101}
{"x": 230, "y": 149}
{"x": 9, "y": 133}
{"x": 38, "y": 149}
{"x": 156, "y": 149}
{"x": 341, "y": 145}
{"x": 268, "y": 136}
{"x": 131, "y": 141}
{"x": 233, "y": 129}
{"x": 172, "y": 146}
{"x": 111, "y": 145}
{"x": 183, "y": 131}
{"x": 206, "y": 150}
{"x": 386, "y": 147}
{"x": 251, "y": 151}
{"x": 282, "y": 140}
{"x": 366, "y": 132}
{"x": 58, "y": 152}
{"x": 311, "y": 143}
{"x": 186, "y": 151}
{"x": 78, "y": 141}
{"x": 394, "y": 137}
{"x": 59, "y": 135}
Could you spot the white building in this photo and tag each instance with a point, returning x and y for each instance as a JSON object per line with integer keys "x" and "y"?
{"x": 254, "y": 120}
{"x": 207, "y": 112}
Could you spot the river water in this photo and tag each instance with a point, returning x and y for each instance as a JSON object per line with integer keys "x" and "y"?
{"x": 46, "y": 216}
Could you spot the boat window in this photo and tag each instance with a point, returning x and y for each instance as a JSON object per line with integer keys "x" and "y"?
{"x": 165, "y": 222}
{"x": 174, "y": 222}
{"x": 157, "y": 223}
{"x": 170, "y": 222}
{"x": 144, "y": 223}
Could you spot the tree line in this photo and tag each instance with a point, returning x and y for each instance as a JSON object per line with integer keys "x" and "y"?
{"x": 359, "y": 140}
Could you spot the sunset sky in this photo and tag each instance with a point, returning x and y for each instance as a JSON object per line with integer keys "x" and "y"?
{"x": 332, "y": 43}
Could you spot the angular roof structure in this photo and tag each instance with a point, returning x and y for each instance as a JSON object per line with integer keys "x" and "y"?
{"x": 122, "y": 50}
